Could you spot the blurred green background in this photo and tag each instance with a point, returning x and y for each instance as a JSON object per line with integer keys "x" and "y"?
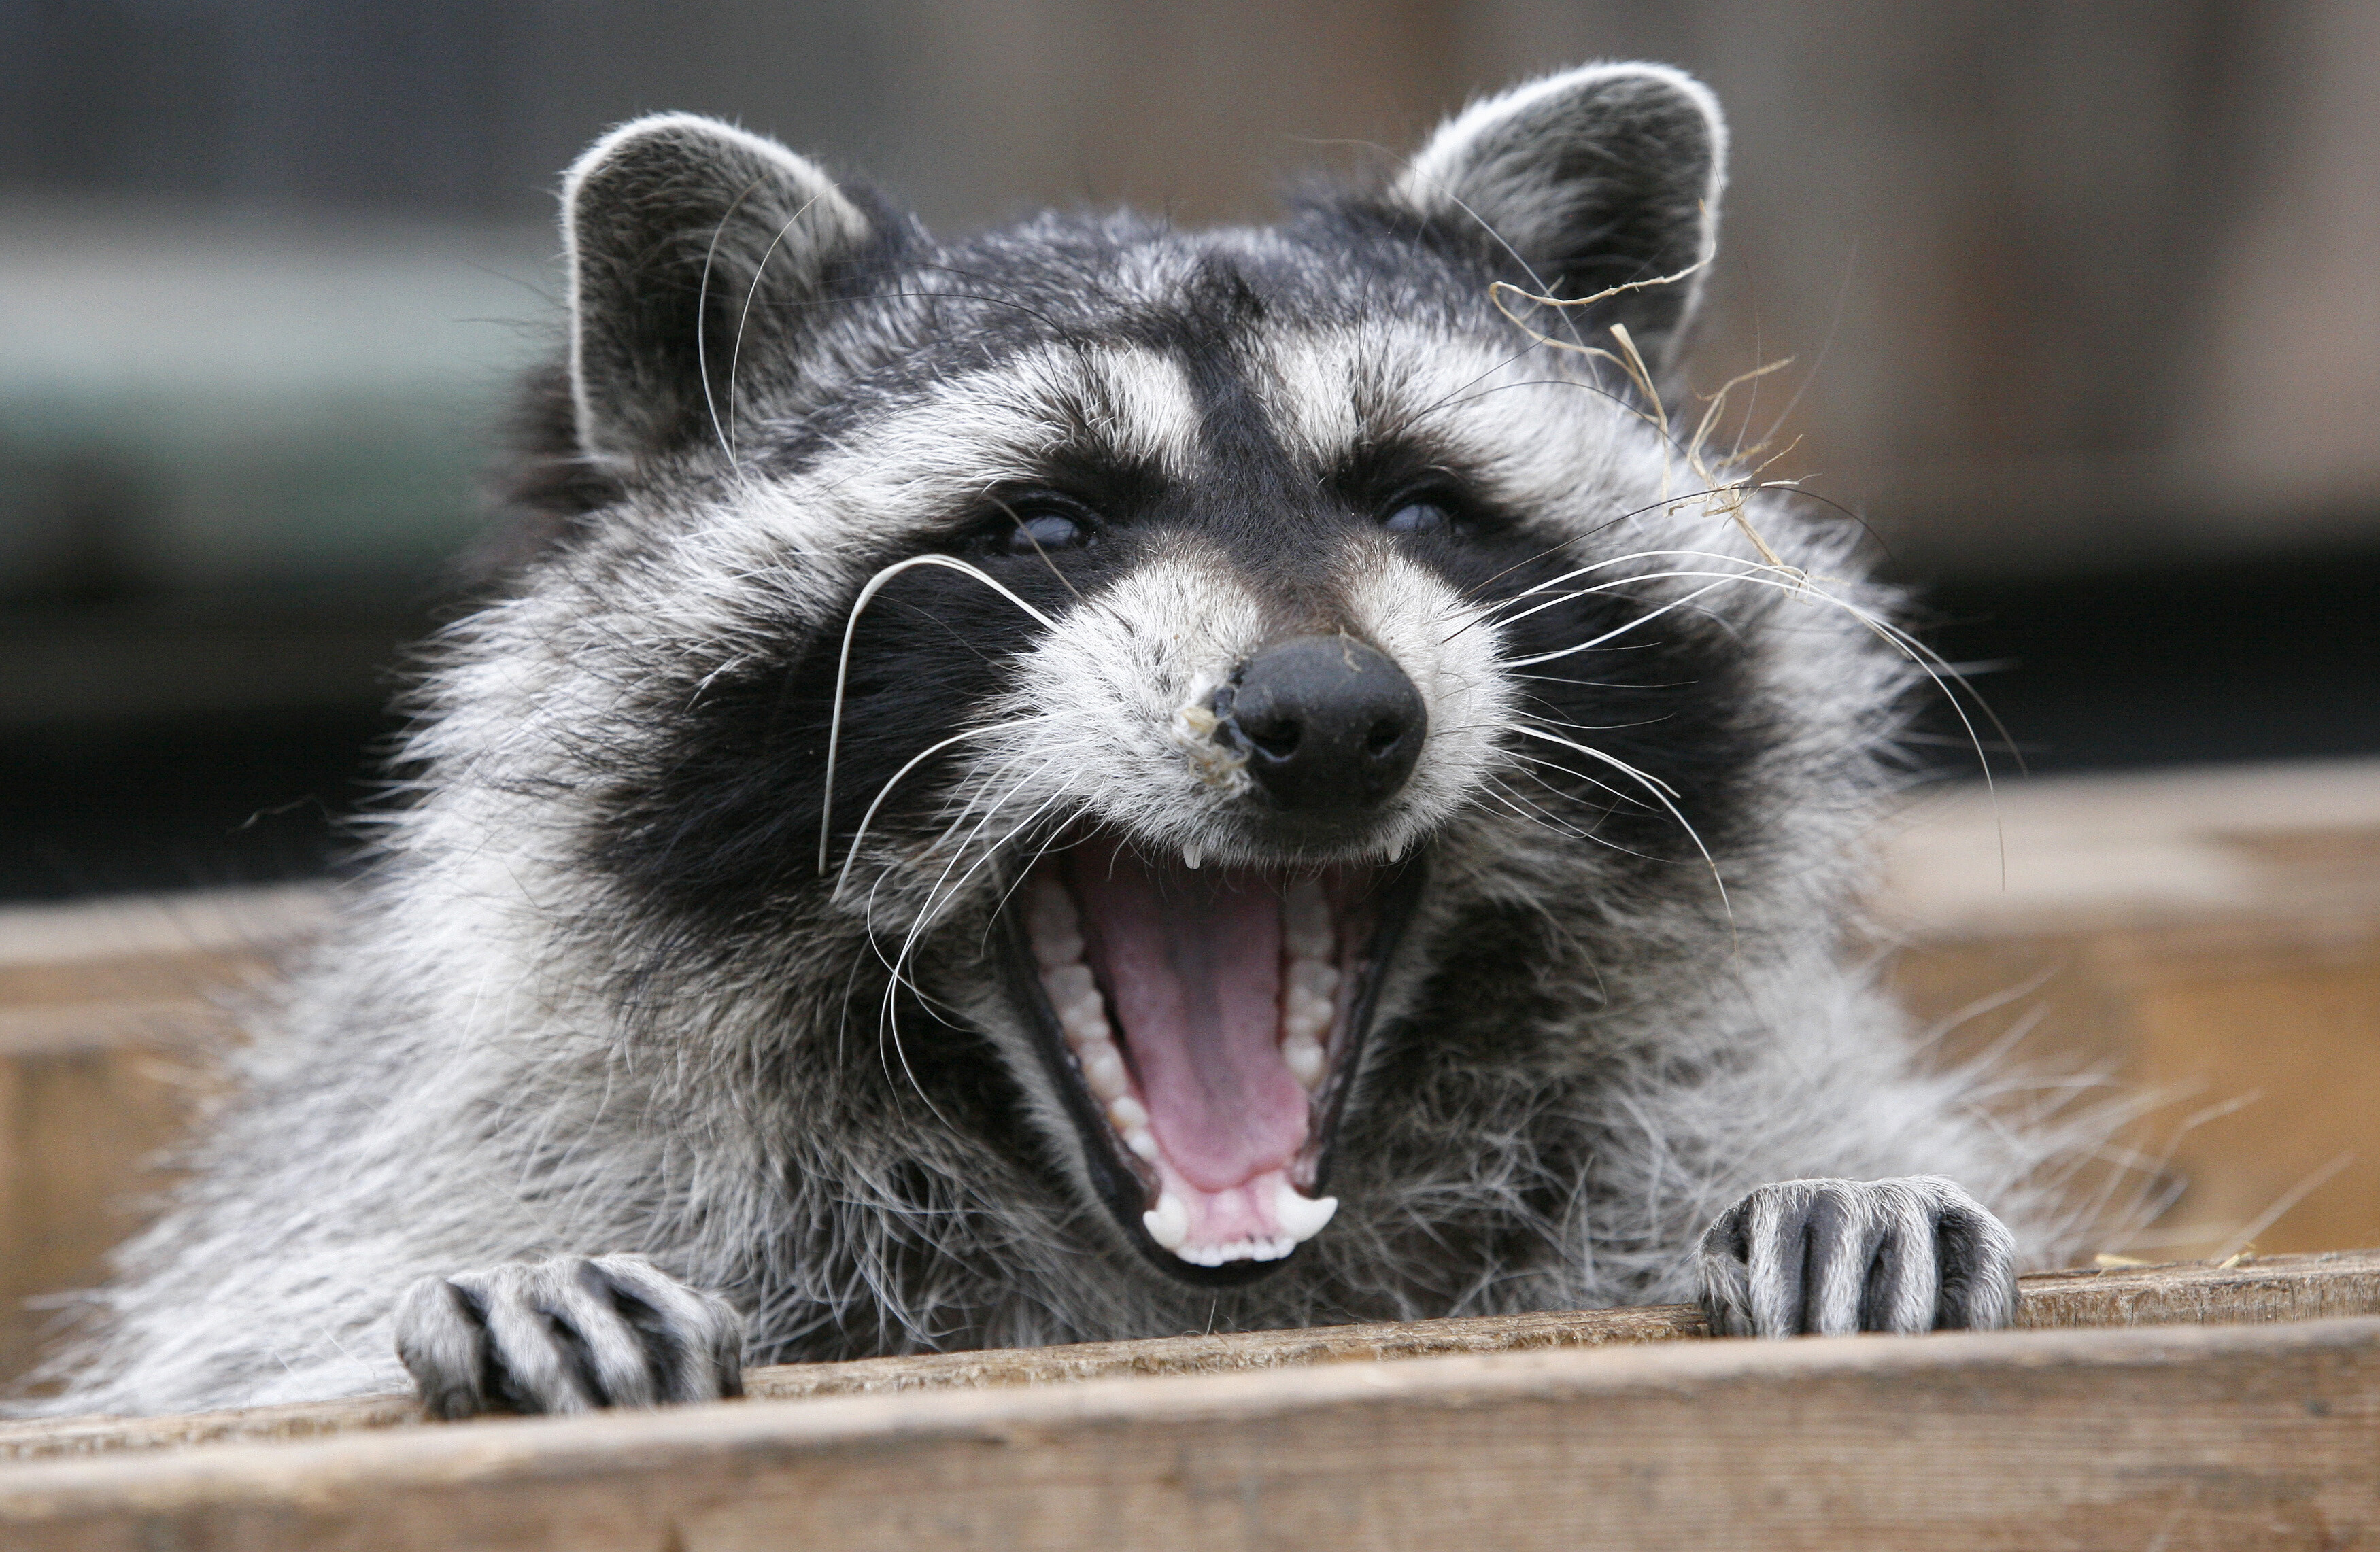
{"x": 2085, "y": 301}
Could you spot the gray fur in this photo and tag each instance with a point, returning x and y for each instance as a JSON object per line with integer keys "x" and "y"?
{"x": 542, "y": 1030}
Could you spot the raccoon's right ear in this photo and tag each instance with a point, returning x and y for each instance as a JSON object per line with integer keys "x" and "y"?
{"x": 1601, "y": 177}
{"x": 697, "y": 252}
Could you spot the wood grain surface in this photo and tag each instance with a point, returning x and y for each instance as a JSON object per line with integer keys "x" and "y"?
{"x": 2176, "y": 1437}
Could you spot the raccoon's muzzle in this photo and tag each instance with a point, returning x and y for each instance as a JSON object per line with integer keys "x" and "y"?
{"x": 1204, "y": 1026}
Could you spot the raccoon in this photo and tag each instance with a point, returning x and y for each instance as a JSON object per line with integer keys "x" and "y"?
{"x": 1095, "y": 780}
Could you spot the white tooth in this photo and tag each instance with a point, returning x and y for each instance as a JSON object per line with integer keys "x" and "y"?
{"x": 1142, "y": 1142}
{"x": 1069, "y": 984}
{"x": 1168, "y": 1222}
{"x": 1315, "y": 977}
{"x": 1300, "y": 1217}
{"x": 1399, "y": 847}
{"x": 1053, "y": 948}
{"x": 1103, "y": 1071}
{"x": 1127, "y": 1113}
{"x": 1191, "y": 856}
{"x": 1086, "y": 1019}
{"x": 1300, "y": 1025}
{"x": 1304, "y": 1055}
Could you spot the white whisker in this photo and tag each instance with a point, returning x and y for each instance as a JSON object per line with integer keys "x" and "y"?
{"x": 743, "y": 317}
{"x": 852, "y": 853}
{"x": 843, "y": 664}
{"x": 702, "y": 316}
{"x": 1662, "y": 792}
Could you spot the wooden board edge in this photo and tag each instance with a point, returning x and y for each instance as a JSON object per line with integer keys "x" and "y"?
{"x": 2002, "y": 1428}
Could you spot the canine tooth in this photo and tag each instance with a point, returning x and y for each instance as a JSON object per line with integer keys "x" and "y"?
{"x": 1300, "y": 1217}
{"x": 1168, "y": 1222}
{"x": 1303, "y": 1054}
{"x": 1125, "y": 1113}
{"x": 1103, "y": 1071}
{"x": 1191, "y": 856}
{"x": 1142, "y": 1142}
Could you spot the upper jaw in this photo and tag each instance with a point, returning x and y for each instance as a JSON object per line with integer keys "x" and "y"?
{"x": 1202, "y": 1029}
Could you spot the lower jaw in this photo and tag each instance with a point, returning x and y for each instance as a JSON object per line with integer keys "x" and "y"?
{"x": 1133, "y": 1188}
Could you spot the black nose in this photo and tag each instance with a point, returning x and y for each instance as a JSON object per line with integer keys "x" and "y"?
{"x": 1329, "y": 726}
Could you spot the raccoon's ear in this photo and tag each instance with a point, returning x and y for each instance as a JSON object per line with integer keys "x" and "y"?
{"x": 1592, "y": 179}
{"x": 690, "y": 243}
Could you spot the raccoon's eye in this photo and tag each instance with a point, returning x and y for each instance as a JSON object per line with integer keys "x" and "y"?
{"x": 1417, "y": 517}
{"x": 1037, "y": 527}
{"x": 1044, "y": 530}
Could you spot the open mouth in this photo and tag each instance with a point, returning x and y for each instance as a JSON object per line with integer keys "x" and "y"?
{"x": 1203, "y": 1026}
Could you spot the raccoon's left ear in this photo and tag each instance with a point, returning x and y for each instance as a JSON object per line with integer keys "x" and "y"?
{"x": 1592, "y": 179}
{"x": 698, "y": 254}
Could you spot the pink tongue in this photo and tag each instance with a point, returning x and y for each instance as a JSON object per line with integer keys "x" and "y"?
{"x": 1192, "y": 962}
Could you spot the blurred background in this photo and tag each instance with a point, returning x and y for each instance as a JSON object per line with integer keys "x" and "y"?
{"x": 2082, "y": 299}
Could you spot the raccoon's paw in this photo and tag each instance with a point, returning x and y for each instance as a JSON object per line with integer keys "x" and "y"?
{"x": 1829, "y": 1257}
{"x": 567, "y": 1334}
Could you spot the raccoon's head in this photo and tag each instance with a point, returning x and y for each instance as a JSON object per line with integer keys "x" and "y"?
{"x": 1157, "y": 640}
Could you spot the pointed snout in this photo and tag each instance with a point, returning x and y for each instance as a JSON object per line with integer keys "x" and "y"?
{"x": 1331, "y": 727}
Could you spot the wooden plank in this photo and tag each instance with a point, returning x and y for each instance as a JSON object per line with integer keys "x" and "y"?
{"x": 2255, "y": 1290}
{"x": 2284, "y": 1288}
{"x": 2174, "y": 1437}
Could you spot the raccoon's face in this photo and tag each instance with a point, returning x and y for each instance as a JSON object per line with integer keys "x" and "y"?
{"x": 1138, "y": 632}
